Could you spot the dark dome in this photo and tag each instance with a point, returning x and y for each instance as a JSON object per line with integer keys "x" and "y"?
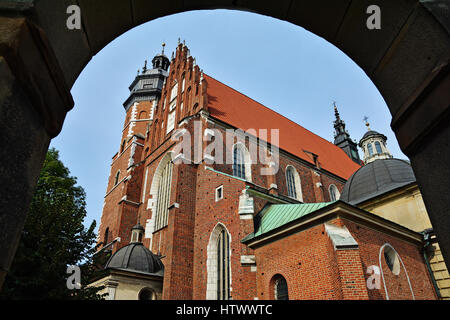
{"x": 136, "y": 257}
{"x": 376, "y": 178}
{"x": 370, "y": 133}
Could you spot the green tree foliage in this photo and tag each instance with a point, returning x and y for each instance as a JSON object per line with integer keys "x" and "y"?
{"x": 53, "y": 238}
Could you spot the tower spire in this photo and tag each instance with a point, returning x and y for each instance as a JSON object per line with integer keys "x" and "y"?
{"x": 342, "y": 137}
{"x": 336, "y": 112}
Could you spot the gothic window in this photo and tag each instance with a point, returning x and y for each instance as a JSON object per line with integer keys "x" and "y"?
{"x": 238, "y": 162}
{"x": 116, "y": 179}
{"x": 163, "y": 196}
{"x": 334, "y": 193}
{"x": 281, "y": 288}
{"x": 291, "y": 182}
{"x": 218, "y": 265}
{"x": 369, "y": 147}
{"x": 223, "y": 266}
{"x": 378, "y": 147}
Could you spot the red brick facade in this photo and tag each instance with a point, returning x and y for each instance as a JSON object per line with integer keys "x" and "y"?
{"x": 307, "y": 260}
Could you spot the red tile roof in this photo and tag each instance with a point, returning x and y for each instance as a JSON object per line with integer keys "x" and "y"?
{"x": 238, "y": 110}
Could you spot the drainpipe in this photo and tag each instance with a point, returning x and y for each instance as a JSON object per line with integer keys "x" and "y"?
{"x": 427, "y": 242}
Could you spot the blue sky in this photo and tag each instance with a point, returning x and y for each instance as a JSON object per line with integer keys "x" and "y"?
{"x": 278, "y": 64}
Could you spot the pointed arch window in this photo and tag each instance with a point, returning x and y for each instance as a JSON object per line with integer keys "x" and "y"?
{"x": 290, "y": 180}
{"x": 293, "y": 183}
{"x": 163, "y": 196}
{"x": 238, "y": 162}
{"x": 223, "y": 266}
{"x": 378, "y": 147}
{"x": 334, "y": 193}
{"x": 218, "y": 265}
{"x": 370, "y": 148}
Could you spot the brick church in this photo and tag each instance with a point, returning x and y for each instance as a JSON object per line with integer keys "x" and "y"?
{"x": 212, "y": 195}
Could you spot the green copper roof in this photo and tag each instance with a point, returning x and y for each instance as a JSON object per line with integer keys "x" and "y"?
{"x": 277, "y": 215}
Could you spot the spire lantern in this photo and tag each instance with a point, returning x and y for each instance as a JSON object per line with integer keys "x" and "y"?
{"x": 373, "y": 145}
{"x": 137, "y": 233}
{"x": 148, "y": 83}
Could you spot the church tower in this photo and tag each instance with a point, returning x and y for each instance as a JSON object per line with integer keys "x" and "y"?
{"x": 148, "y": 83}
{"x": 374, "y": 146}
{"x": 123, "y": 191}
{"x": 342, "y": 138}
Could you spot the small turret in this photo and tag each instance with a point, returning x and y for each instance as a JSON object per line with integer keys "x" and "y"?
{"x": 373, "y": 144}
{"x": 137, "y": 233}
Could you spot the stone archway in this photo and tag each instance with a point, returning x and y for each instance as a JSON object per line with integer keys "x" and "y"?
{"x": 40, "y": 59}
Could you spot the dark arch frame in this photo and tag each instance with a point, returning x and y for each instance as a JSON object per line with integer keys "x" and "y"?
{"x": 407, "y": 59}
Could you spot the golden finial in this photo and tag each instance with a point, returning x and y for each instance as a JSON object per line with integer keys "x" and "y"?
{"x": 367, "y": 123}
{"x": 163, "y": 45}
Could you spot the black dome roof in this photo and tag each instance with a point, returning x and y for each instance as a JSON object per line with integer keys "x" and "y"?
{"x": 137, "y": 258}
{"x": 376, "y": 178}
{"x": 370, "y": 133}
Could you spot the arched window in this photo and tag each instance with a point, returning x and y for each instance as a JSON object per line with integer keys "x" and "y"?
{"x": 378, "y": 147}
{"x": 147, "y": 294}
{"x": 394, "y": 263}
{"x": 163, "y": 196}
{"x": 294, "y": 187}
{"x": 223, "y": 266}
{"x": 116, "y": 179}
{"x": 218, "y": 265}
{"x": 238, "y": 162}
{"x": 292, "y": 192}
{"x": 280, "y": 288}
{"x": 142, "y": 115}
{"x": 369, "y": 147}
{"x": 334, "y": 193}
